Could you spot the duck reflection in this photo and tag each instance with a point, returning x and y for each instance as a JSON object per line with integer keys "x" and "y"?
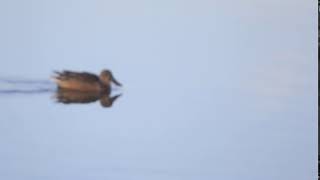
{"x": 67, "y": 96}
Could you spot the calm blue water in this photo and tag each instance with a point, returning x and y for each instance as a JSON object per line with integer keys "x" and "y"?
{"x": 210, "y": 90}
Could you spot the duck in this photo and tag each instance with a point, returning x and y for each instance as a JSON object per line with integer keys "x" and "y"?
{"x": 84, "y": 81}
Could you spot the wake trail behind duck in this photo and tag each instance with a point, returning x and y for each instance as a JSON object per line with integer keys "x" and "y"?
{"x": 25, "y": 86}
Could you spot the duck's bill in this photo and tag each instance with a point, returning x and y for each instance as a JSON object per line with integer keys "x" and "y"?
{"x": 116, "y": 82}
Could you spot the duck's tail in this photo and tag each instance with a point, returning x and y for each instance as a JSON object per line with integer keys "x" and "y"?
{"x": 57, "y": 76}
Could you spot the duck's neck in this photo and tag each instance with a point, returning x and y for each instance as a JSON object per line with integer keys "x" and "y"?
{"x": 105, "y": 87}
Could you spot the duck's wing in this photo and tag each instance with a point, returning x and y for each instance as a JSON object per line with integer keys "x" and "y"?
{"x": 76, "y": 76}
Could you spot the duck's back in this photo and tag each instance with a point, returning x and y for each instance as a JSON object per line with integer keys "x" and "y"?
{"x": 80, "y": 81}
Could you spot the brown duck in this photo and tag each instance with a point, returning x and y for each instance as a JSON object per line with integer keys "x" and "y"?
{"x": 84, "y": 81}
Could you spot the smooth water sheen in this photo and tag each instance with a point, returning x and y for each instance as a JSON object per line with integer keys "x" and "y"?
{"x": 211, "y": 90}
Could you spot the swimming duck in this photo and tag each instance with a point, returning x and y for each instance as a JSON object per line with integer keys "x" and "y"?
{"x": 84, "y": 81}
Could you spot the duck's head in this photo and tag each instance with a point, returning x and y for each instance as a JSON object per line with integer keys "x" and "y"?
{"x": 106, "y": 78}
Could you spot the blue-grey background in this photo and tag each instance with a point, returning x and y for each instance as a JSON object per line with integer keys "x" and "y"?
{"x": 212, "y": 90}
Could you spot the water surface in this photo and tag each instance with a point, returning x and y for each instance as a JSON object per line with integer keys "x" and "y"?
{"x": 211, "y": 90}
